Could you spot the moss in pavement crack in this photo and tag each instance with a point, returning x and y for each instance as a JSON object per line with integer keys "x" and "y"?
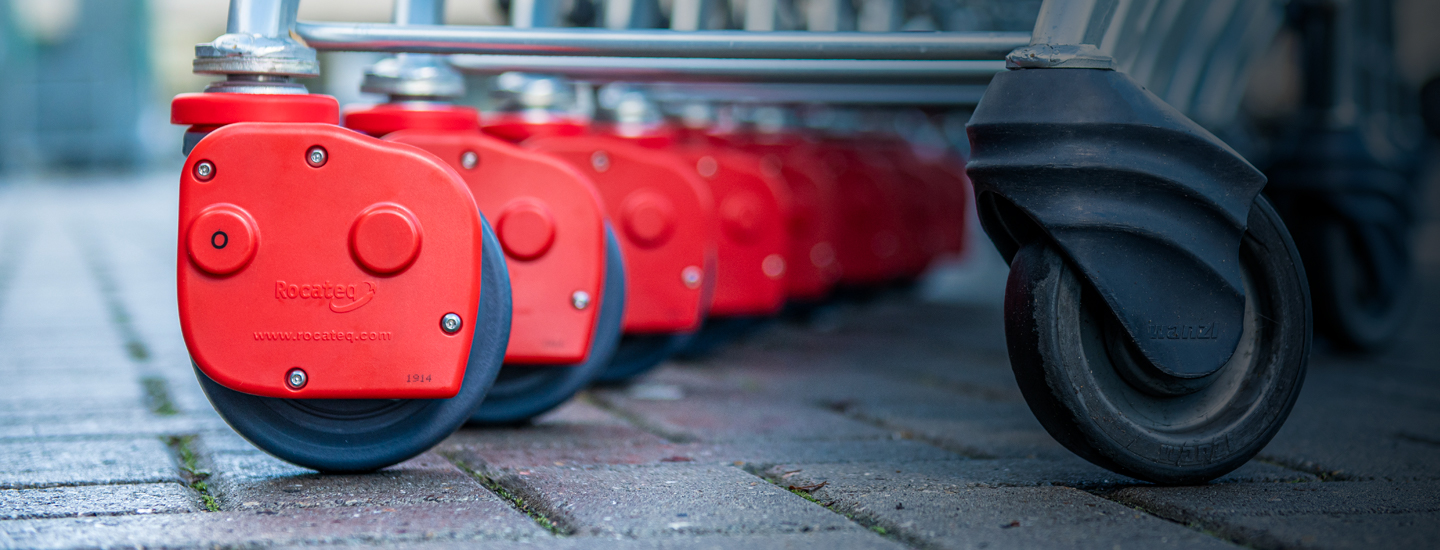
{"x": 157, "y": 396}
{"x": 515, "y": 500}
{"x": 190, "y": 470}
{"x": 866, "y": 522}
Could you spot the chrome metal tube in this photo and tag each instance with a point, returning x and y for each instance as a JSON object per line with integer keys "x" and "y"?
{"x": 267, "y": 18}
{"x": 419, "y": 12}
{"x": 931, "y": 95}
{"x": 636, "y": 69}
{"x": 911, "y": 46}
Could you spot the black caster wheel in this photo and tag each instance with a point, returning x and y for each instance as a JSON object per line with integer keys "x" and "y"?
{"x": 639, "y": 353}
{"x": 1093, "y": 391}
{"x": 523, "y": 392}
{"x": 361, "y": 435}
{"x": 1362, "y": 280}
{"x": 715, "y": 333}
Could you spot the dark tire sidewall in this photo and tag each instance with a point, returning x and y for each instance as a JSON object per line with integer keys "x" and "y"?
{"x": 549, "y": 386}
{"x": 1072, "y": 392}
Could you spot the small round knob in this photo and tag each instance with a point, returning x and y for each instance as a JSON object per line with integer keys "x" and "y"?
{"x": 740, "y": 216}
{"x": 648, "y": 218}
{"x": 526, "y": 229}
{"x": 385, "y": 239}
{"x": 222, "y": 240}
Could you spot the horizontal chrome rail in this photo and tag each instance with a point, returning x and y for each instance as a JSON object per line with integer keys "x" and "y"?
{"x": 645, "y": 69}
{"x": 930, "y": 95}
{"x": 454, "y": 39}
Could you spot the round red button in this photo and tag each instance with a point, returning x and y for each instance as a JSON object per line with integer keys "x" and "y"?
{"x": 385, "y": 238}
{"x": 222, "y": 239}
{"x": 648, "y": 218}
{"x": 526, "y": 229}
{"x": 740, "y": 216}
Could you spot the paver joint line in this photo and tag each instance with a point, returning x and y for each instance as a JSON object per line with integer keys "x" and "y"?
{"x": 189, "y": 463}
{"x": 540, "y": 518}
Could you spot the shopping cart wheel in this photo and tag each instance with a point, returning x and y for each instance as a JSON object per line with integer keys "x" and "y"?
{"x": 360, "y": 435}
{"x": 1362, "y": 280}
{"x": 1094, "y": 392}
{"x": 639, "y": 353}
{"x": 522, "y": 392}
{"x": 716, "y": 333}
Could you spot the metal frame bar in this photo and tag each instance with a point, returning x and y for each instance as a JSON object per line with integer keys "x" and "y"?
{"x": 650, "y": 69}
{"x": 455, "y": 39}
{"x": 933, "y": 95}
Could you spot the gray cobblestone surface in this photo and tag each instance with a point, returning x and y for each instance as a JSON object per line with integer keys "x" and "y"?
{"x": 889, "y": 424}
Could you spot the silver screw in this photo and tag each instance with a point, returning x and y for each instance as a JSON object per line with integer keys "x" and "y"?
{"x": 600, "y": 160}
{"x": 469, "y": 160}
{"x": 204, "y": 170}
{"x": 316, "y": 156}
{"x": 707, "y": 166}
{"x": 691, "y": 276}
{"x": 450, "y": 323}
{"x": 580, "y": 299}
{"x": 296, "y": 378}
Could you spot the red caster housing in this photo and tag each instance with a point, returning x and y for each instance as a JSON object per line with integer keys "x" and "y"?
{"x": 667, "y": 232}
{"x": 344, "y": 302}
{"x": 567, "y": 276}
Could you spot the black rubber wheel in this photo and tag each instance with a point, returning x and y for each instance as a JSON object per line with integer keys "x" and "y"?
{"x": 716, "y": 333}
{"x": 361, "y": 435}
{"x": 1077, "y": 369}
{"x": 1363, "y": 283}
{"x": 523, "y": 392}
{"x": 639, "y": 353}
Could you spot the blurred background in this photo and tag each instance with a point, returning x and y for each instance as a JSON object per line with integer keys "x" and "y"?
{"x": 86, "y": 86}
{"x": 87, "y": 82}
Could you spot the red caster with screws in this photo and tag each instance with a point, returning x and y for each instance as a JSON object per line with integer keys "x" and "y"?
{"x": 567, "y": 275}
{"x": 344, "y": 302}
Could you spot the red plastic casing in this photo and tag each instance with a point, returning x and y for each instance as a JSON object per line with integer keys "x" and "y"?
{"x": 752, "y": 203}
{"x": 946, "y": 172}
{"x": 547, "y": 215}
{"x": 204, "y": 112}
{"x": 868, "y": 243}
{"x": 812, "y": 268}
{"x": 313, "y": 232}
{"x": 663, "y": 215}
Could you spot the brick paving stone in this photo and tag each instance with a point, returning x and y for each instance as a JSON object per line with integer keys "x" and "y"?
{"x": 665, "y": 500}
{"x": 575, "y": 433}
{"x": 741, "y": 417}
{"x": 1070, "y": 472}
{"x": 620, "y": 453}
{"x": 457, "y": 521}
{"x": 582, "y": 426}
{"x": 96, "y": 500}
{"x": 747, "y": 454}
{"x": 134, "y": 421}
{"x": 1336, "y": 431}
{"x": 1370, "y": 514}
{"x": 259, "y": 482}
{"x": 982, "y": 429}
{"x": 940, "y": 510}
{"x": 848, "y": 540}
{"x": 46, "y": 463}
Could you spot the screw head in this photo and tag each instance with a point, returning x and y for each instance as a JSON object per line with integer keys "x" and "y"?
{"x": 580, "y": 299}
{"x": 773, "y": 266}
{"x": 204, "y": 170}
{"x": 707, "y": 166}
{"x": 296, "y": 378}
{"x": 316, "y": 156}
{"x": 600, "y": 160}
{"x": 691, "y": 276}
{"x": 451, "y": 323}
{"x": 469, "y": 160}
